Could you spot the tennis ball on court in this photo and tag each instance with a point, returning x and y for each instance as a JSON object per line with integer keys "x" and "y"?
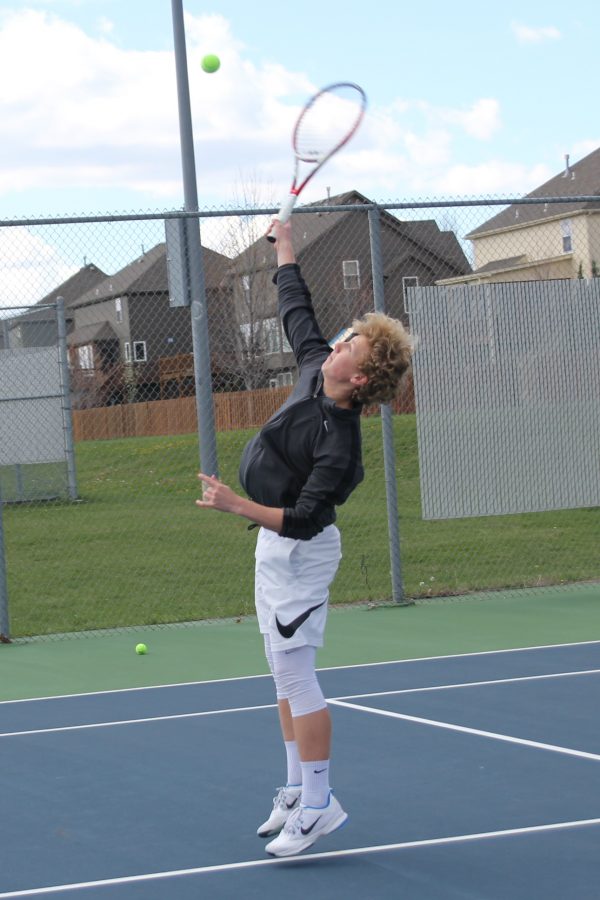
{"x": 210, "y": 63}
{"x": 140, "y": 649}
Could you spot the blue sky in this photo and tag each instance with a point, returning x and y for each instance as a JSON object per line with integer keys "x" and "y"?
{"x": 465, "y": 99}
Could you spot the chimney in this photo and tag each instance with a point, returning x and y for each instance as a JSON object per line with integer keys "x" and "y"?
{"x": 567, "y": 171}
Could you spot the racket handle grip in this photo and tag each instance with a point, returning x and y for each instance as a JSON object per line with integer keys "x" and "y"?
{"x": 285, "y": 212}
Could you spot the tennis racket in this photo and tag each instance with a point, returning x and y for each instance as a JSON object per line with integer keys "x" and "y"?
{"x": 327, "y": 122}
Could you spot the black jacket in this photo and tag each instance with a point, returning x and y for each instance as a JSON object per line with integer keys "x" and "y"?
{"x": 307, "y": 458}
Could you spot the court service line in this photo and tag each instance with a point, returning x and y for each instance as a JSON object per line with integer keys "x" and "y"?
{"x": 310, "y": 858}
{"x": 466, "y": 684}
{"x": 467, "y": 655}
{"x": 509, "y": 739}
{"x": 343, "y": 697}
{"x": 385, "y": 662}
{"x": 193, "y": 715}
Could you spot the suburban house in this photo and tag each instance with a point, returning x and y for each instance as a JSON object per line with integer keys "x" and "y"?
{"x": 333, "y": 249}
{"x": 129, "y": 341}
{"x": 37, "y": 327}
{"x": 544, "y": 240}
{"x": 125, "y": 339}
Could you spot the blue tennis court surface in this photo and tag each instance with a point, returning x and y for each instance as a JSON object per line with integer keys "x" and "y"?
{"x": 470, "y": 776}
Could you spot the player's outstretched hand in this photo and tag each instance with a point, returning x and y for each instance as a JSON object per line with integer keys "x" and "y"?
{"x": 216, "y": 495}
{"x": 281, "y": 234}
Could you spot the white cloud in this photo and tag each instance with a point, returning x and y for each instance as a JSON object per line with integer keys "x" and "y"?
{"x": 31, "y": 268}
{"x": 105, "y": 25}
{"x": 430, "y": 149}
{"x": 481, "y": 121}
{"x": 582, "y": 148}
{"x": 525, "y": 34}
{"x": 492, "y": 177}
{"x": 104, "y": 118}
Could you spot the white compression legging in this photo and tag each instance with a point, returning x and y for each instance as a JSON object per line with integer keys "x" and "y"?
{"x": 295, "y": 678}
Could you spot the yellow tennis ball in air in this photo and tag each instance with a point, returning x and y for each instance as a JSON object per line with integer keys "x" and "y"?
{"x": 210, "y": 63}
{"x": 141, "y": 649}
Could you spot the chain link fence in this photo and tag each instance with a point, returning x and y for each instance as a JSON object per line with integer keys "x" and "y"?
{"x": 503, "y": 299}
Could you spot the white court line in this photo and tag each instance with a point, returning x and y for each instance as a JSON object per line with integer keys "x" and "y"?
{"x": 417, "y": 659}
{"x": 388, "y": 662}
{"x": 194, "y": 715}
{"x": 345, "y": 697}
{"x": 332, "y": 854}
{"x": 466, "y": 684}
{"x": 509, "y": 739}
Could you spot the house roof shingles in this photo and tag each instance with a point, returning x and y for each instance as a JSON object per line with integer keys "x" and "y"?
{"x": 582, "y": 179}
{"x": 148, "y": 275}
{"x": 424, "y": 234}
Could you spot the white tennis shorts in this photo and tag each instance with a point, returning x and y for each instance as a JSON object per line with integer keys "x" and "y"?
{"x": 292, "y": 581}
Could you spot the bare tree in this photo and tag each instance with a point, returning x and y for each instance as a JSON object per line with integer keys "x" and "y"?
{"x": 249, "y": 330}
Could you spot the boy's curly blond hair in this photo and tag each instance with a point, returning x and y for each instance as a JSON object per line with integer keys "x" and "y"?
{"x": 389, "y": 359}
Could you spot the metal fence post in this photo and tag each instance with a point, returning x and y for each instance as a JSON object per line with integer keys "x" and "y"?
{"x": 4, "y": 618}
{"x": 389, "y": 460}
{"x": 199, "y": 310}
{"x": 66, "y": 397}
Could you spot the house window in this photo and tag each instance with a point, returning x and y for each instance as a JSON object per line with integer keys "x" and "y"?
{"x": 127, "y": 349}
{"x": 273, "y": 337}
{"x": 351, "y": 273}
{"x": 567, "y": 235}
{"x": 245, "y": 282}
{"x": 85, "y": 357}
{"x": 281, "y": 380}
{"x": 246, "y": 331}
{"x": 408, "y": 281}
{"x": 118, "y": 309}
{"x": 265, "y": 336}
{"x": 139, "y": 351}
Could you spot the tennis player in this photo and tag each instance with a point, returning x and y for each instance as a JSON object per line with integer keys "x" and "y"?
{"x": 304, "y": 462}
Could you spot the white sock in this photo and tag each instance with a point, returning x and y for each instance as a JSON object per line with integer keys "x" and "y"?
{"x": 315, "y": 783}
{"x": 294, "y": 772}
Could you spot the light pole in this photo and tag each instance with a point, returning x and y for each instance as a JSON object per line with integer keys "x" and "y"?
{"x": 197, "y": 290}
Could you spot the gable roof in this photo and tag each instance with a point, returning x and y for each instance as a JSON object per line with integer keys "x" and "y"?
{"x": 148, "y": 275}
{"x": 313, "y": 227}
{"x": 83, "y": 280}
{"x": 579, "y": 180}
{"x": 421, "y": 235}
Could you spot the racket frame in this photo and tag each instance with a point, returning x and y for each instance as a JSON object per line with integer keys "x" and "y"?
{"x": 290, "y": 201}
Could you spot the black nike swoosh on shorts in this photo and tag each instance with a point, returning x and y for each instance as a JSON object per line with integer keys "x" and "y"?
{"x": 288, "y": 631}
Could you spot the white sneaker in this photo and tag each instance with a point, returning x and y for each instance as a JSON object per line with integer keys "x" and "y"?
{"x": 285, "y": 800}
{"x": 305, "y": 825}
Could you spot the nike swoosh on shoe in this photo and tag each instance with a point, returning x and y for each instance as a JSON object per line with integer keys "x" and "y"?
{"x": 308, "y": 830}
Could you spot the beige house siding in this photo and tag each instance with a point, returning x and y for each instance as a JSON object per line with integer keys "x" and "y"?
{"x": 541, "y": 271}
{"x": 537, "y": 250}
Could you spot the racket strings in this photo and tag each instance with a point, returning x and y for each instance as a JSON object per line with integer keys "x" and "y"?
{"x": 328, "y": 122}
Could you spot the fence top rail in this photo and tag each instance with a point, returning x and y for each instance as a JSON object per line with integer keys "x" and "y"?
{"x": 38, "y": 306}
{"x": 270, "y": 211}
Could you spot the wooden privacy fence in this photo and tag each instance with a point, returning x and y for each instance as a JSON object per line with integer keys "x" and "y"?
{"x": 232, "y": 411}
